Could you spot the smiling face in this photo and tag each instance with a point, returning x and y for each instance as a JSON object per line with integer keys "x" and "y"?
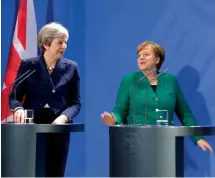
{"x": 147, "y": 59}
{"x": 57, "y": 48}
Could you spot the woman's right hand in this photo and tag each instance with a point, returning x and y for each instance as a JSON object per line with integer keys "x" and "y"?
{"x": 19, "y": 116}
{"x": 108, "y": 118}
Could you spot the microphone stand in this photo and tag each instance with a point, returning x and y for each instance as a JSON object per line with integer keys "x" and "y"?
{"x": 146, "y": 102}
{"x": 9, "y": 88}
{"x": 27, "y": 74}
{"x": 134, "y": 118}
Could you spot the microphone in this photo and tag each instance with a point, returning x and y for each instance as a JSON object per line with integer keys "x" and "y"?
{"x": 15, "y": 87}
{"x": 9, "y": 88}
{"x": 144, "y": 75}
{"x": 146, "y": 102}
{"x": 152, "y": 80}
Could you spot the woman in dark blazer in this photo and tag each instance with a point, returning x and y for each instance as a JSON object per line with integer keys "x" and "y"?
{"x": 52, "y": 91}
{"x": 142, "y": 94}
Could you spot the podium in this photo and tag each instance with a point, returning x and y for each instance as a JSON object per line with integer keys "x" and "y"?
{"x": 150, "y": 151}
{"x": 22, "y": 147}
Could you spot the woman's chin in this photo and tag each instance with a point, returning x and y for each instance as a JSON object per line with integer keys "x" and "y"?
{"x": 143, "y": 68}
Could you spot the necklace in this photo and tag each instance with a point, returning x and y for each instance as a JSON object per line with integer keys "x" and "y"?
{"x": 50, "y": 69}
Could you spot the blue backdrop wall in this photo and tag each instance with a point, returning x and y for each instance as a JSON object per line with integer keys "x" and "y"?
{"x": 103, "y": 40}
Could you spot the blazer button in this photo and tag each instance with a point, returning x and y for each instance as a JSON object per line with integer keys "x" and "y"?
{"x": 53, "y": 91}
{"x": 156, "y": 99}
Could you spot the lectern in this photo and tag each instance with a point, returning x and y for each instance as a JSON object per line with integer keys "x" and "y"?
{"x": 150, "y": 151}
{"x": 23, "y": 147}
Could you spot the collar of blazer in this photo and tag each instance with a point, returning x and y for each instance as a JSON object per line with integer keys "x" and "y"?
{"x": 145, "y": 82}
{"x": 58, "y": 72}
{"x": 59, "y": 67}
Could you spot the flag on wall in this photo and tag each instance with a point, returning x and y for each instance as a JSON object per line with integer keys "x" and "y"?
{"x": 24, "y": 45}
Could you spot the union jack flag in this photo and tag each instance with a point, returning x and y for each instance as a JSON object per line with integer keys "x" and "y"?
{"x": 24, "y": 45}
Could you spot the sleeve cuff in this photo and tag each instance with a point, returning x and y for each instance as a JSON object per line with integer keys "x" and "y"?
{"x": 195, "y": 139}
{"x": 17, "y": 108}
{"x": 118, "y": 121}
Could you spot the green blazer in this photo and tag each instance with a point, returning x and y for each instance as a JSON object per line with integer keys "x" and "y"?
{"x": 137, "y": 102}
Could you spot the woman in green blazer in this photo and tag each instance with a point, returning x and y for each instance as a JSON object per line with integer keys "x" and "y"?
{"x": 142, "y": 94}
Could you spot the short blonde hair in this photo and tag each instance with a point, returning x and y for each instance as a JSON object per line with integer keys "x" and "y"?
{"x": 158, "y": 50}
{"x": 49, "y": 32}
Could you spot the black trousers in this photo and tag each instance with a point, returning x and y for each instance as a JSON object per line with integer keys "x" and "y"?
{"x": 57, "y": 146}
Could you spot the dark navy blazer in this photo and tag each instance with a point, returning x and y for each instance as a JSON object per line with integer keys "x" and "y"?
{"x": 60, "y": 90}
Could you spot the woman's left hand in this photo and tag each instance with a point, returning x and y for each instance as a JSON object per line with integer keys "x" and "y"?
{"x": 204, "y": 145}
